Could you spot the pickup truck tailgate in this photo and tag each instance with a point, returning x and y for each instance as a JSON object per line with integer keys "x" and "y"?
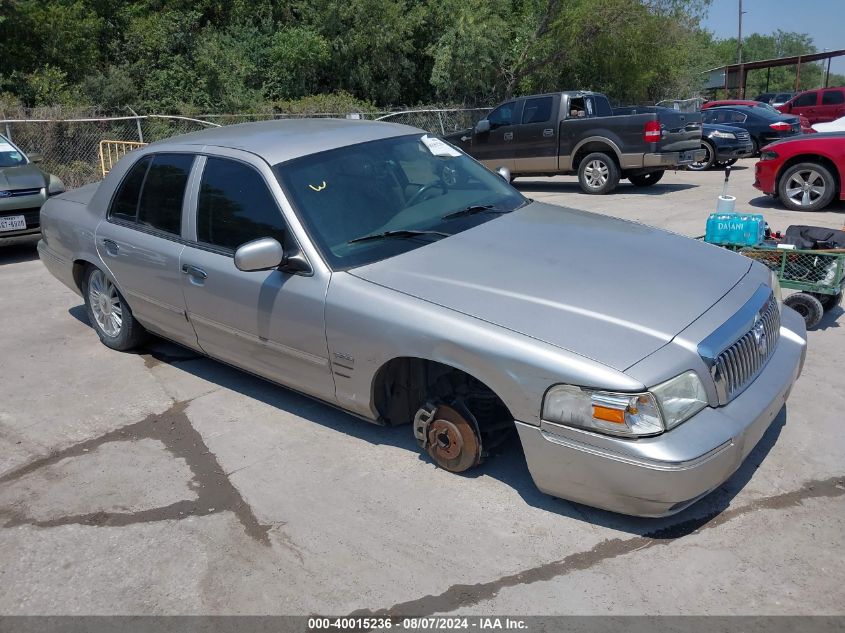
{"x": 680, "y": 131}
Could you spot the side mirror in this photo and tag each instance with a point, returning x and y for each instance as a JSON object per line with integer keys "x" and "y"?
{"x": 35, "y": 157}
{"x": 482, "y": 126}
{"x": 505, "y": 173}
{"x": 261, "y": 254}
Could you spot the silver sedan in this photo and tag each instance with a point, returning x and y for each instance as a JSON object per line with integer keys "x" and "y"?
{"x": 378, "y": 268}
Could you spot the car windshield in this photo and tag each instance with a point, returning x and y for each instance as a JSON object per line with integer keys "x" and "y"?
{"x": 10, "y": 156}
{"x": 414, "y": 189}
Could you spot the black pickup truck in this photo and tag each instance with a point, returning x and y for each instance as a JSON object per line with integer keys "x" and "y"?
{"x": 578, "y": 132}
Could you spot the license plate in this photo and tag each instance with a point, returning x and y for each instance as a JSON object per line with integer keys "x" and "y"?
{"x": 12, "y": 223}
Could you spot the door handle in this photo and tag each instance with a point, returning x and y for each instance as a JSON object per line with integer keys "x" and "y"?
{"x": 508, "y": 136}
{"x": 111, "y": 247}
{"x": 194, "y": 271}
{"x": 548, "y": 132}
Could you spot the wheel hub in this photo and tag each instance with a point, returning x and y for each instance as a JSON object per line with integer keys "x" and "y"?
{"x": 452, "y": 440}
{"x": 446, "y": 439}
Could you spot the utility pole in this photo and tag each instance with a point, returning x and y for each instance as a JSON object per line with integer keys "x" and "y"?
{"x": 741, "y": 75}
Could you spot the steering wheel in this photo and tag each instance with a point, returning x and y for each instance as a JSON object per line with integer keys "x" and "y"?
{"x": 418, "y": 196}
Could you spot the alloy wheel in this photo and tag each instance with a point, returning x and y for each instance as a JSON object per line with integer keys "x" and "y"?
{"x": 805, "y": 187}
{"x": 105, "y": 304}
{"x": 596, "y": 174}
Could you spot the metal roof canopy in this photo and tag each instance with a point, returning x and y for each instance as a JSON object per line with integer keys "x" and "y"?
{"x": 734, "y": 76}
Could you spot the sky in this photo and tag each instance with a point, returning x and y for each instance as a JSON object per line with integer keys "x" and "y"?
{"x": 822, "y": 19}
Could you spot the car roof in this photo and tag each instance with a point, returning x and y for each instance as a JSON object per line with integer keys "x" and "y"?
{"x": 281, "y": 140}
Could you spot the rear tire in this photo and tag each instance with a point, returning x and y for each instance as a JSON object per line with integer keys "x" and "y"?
{"x": 806, "y": 187}
{"x": 807, "y": 306}
{"x": 646, "y": 180}
{"x": 598, "y": 174}
{"x": 108, "y": 312}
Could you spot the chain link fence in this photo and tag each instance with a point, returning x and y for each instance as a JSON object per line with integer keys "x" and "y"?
{"x": 70, "y": 148}
{"x": 440, "y": 121}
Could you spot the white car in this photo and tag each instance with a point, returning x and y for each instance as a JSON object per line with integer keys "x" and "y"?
{"x": 831, "y": 126}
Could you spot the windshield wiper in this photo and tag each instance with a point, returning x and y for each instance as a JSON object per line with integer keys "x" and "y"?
{"x": 397, "y": 233}
{"x": 472, "y": 210}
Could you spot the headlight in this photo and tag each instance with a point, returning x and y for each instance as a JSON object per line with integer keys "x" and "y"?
{"x": 776, "y": 287}
{"x": 729, "y": 135}
{"x": 55, "y": 187}
{"x": 627, "y": 414}
{"x": 769, "y": 155}
{"x": 680, "y": 398}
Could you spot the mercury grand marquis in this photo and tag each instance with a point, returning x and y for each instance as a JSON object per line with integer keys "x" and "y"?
{"x": 380, "y": 269}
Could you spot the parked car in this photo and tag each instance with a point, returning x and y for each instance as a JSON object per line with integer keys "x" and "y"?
{"x": 23, "y": 189}
{"x": 818, "y": 106}
{"x": 806, "y": 128}
{"x": 579, "y": 133}
{"x": 832, "y": 126}
{"x": 805, "y": 172}
{"x": 762, "y": 125}
{"x": 379, "y": 269}
{"x": 775, "y": 98}
{"x": 723, "y": 145}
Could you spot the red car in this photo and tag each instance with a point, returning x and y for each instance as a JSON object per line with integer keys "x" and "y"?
{"x": 806, "y": 124}
{"x": 805, "y": 172}
{"x": 818, "y": 106}
{"x": 724, "y": 102}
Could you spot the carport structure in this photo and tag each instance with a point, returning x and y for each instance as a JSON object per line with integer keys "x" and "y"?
{"x": 734, "y": 76}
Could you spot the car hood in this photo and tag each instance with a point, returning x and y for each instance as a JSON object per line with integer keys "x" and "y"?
{"x": 23, "y": 177}
{"x": 607, "y": 289}
{"x": 805, "y": 138}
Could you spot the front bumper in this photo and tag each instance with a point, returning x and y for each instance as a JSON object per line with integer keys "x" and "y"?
{"x": 673, "y": 159}
{"x": 764, "y": 176}
{"x": 27, "y": 206}
{"x": 662, "y": 475}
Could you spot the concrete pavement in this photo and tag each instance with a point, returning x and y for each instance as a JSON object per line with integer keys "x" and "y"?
{"x": 167, "y": 483}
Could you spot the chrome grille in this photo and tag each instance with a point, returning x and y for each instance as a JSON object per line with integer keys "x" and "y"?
{"x": 737, "y": 366}
{"x": 743, "y": 136}
{"x": 16, "y": 193}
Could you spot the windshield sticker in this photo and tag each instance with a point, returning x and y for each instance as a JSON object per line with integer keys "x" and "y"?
{"x": 438, "y": 147}
{"x": 319, "y": 187}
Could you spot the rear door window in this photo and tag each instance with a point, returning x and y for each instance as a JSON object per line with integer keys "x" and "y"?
{"x": 833, "y": 97}
{"x": 235, "y": 206}
{"x": 125, "y": 203}
{"x": 160, "y": 206}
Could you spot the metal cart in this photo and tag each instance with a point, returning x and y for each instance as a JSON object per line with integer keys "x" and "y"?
{"x": 818, "y": 276}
